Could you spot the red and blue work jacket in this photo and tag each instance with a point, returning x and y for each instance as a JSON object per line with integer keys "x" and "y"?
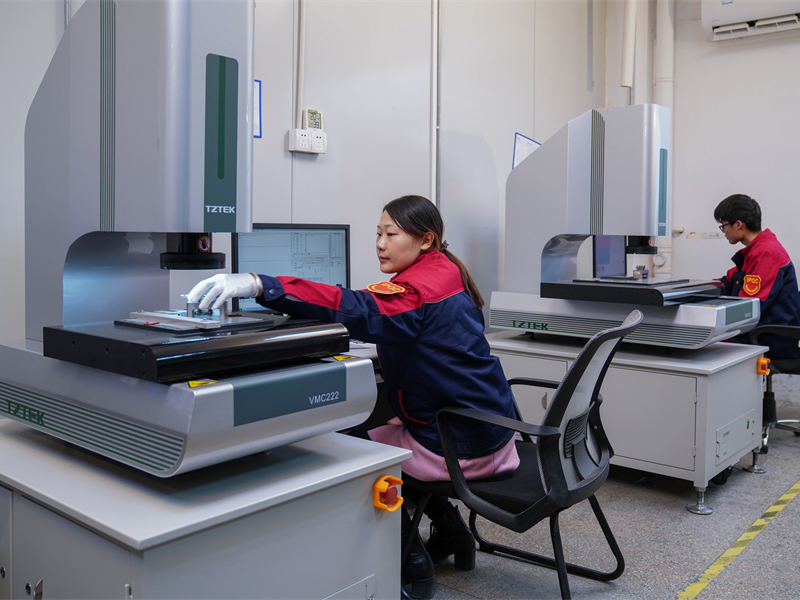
{"x": 430, "y": 340}
{"x": 764, "y": 270}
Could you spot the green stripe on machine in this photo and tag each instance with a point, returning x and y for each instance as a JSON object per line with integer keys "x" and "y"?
{"x": 222, "y": 101}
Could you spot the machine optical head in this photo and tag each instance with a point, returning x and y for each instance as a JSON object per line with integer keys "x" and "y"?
{"x": 191, "y": 251}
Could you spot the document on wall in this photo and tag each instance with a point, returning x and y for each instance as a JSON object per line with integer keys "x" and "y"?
{"x": 523, "y": 147}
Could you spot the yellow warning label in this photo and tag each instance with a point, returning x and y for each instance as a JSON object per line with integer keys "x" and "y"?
{"x": 200, "y": 383}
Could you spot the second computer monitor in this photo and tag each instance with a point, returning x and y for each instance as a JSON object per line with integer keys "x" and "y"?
{"x": 316, "y": 252}
{"x": 609, "y": 256}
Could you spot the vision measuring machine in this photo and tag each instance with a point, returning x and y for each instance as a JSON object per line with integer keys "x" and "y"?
{"x": 604, "y": 173}
{"x": 141, "y": 131}
{"x": 678, "y": 401}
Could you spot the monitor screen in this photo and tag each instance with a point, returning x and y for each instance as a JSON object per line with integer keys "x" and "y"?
{"x": 315, "y": 252}
{"x": 609, "y": 256}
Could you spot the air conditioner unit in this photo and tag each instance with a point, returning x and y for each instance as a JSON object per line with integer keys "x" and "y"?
{"x": 728, "y": 19}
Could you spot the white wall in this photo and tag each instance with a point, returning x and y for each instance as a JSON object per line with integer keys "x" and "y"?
{"x": 736, "y": 130}
{"x": 486, "y": 95}
{"x": 506, "y": 66}
{"x": 368, "y": 70}
{"x": 570, "y": 63}
{"x": 536, "y": 66}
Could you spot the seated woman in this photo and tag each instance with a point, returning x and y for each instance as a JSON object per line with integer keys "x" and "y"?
{"x": 428, "y": 329}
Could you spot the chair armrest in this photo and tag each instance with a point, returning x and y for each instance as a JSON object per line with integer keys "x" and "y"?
{"x": 531, "y": 381}
{"x": 548, "y": 436}
{"x": 547, "y": 383}
{"x": 443, "y": 419}
{"x": 792, "y": 331}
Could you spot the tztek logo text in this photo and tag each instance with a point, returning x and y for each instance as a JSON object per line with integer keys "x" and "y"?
{"x": 529, "y": 325}
{"x": 25, "y": 413}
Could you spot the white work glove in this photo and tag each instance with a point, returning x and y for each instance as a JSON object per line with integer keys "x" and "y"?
{"x": 219, "y": 288}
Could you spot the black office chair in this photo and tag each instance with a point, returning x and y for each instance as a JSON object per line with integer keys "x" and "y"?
{"x": 777, "y": 366}
{"x": 563, "y": 461}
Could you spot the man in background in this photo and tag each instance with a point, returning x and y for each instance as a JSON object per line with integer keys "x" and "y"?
{"x": 762, "y": 270}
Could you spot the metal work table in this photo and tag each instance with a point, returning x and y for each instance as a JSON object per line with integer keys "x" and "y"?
{"x": 295, "y": 522}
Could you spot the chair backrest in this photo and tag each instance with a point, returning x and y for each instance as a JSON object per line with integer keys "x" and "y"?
{"x": 782, "y": 340}
{"x": 574, "y": 409}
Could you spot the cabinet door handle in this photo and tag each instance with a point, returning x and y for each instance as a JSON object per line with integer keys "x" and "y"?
{"x": 38, "y": 590}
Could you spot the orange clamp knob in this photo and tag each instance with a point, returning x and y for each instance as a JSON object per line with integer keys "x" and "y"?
{"x": 385, "y": 495}
{"x": 762, "y": 366}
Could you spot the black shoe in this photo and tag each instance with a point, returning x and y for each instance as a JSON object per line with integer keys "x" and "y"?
{"x": 450, "y": 535}
{"x": 418, "y": 574}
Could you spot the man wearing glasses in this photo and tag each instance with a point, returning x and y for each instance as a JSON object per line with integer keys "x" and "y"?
{"x": 763, "y": 270}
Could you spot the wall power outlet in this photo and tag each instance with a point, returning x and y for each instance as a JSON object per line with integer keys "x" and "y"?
{"x": 313, "y": 141}
{"x": 299, "y": 140}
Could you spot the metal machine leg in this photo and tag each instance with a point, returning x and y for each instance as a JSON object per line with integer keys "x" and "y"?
{"x": 700, "y": 507}
{"x": 755, "y": 467}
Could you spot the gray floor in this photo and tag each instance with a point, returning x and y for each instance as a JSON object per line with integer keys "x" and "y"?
{"x": 666, "y": 548}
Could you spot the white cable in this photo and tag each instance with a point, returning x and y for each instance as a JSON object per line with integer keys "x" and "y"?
{"x": 434, "y": 104}
{"x": 301, "y": 63}
{"x": 628, "y": 44}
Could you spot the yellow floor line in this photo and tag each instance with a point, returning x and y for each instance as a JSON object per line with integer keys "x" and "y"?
{"x": 739, "y": 545}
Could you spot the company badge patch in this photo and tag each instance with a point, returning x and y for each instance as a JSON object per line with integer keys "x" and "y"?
{"x": 386, "y": 287}
{"x": 752, "y": 284}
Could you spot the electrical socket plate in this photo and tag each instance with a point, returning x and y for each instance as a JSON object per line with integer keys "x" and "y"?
{"x": 312, "y": 141}
{"x": 319, "y": 141}
{"x": 299, "y": 140}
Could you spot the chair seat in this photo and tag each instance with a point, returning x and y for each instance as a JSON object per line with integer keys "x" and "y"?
{"x": 785, "y": 365}
{"x": 521, "y": 489}
{"x": 513, "y": 493}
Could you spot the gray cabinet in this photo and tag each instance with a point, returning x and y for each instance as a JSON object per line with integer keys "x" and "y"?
{"x": 684, "y": 414}
{"x": 297, "y": 522}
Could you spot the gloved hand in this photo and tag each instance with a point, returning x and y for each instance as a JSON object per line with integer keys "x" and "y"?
{"x": 219, "y": 288}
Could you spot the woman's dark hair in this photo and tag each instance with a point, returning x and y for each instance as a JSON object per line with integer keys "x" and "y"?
{"x": 417, "y": 216}
{"x": 739, "y": 207}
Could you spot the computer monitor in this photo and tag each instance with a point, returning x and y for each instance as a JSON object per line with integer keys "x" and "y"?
{"x": 315, "y": 252}
{"x": 609, "y": 256}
